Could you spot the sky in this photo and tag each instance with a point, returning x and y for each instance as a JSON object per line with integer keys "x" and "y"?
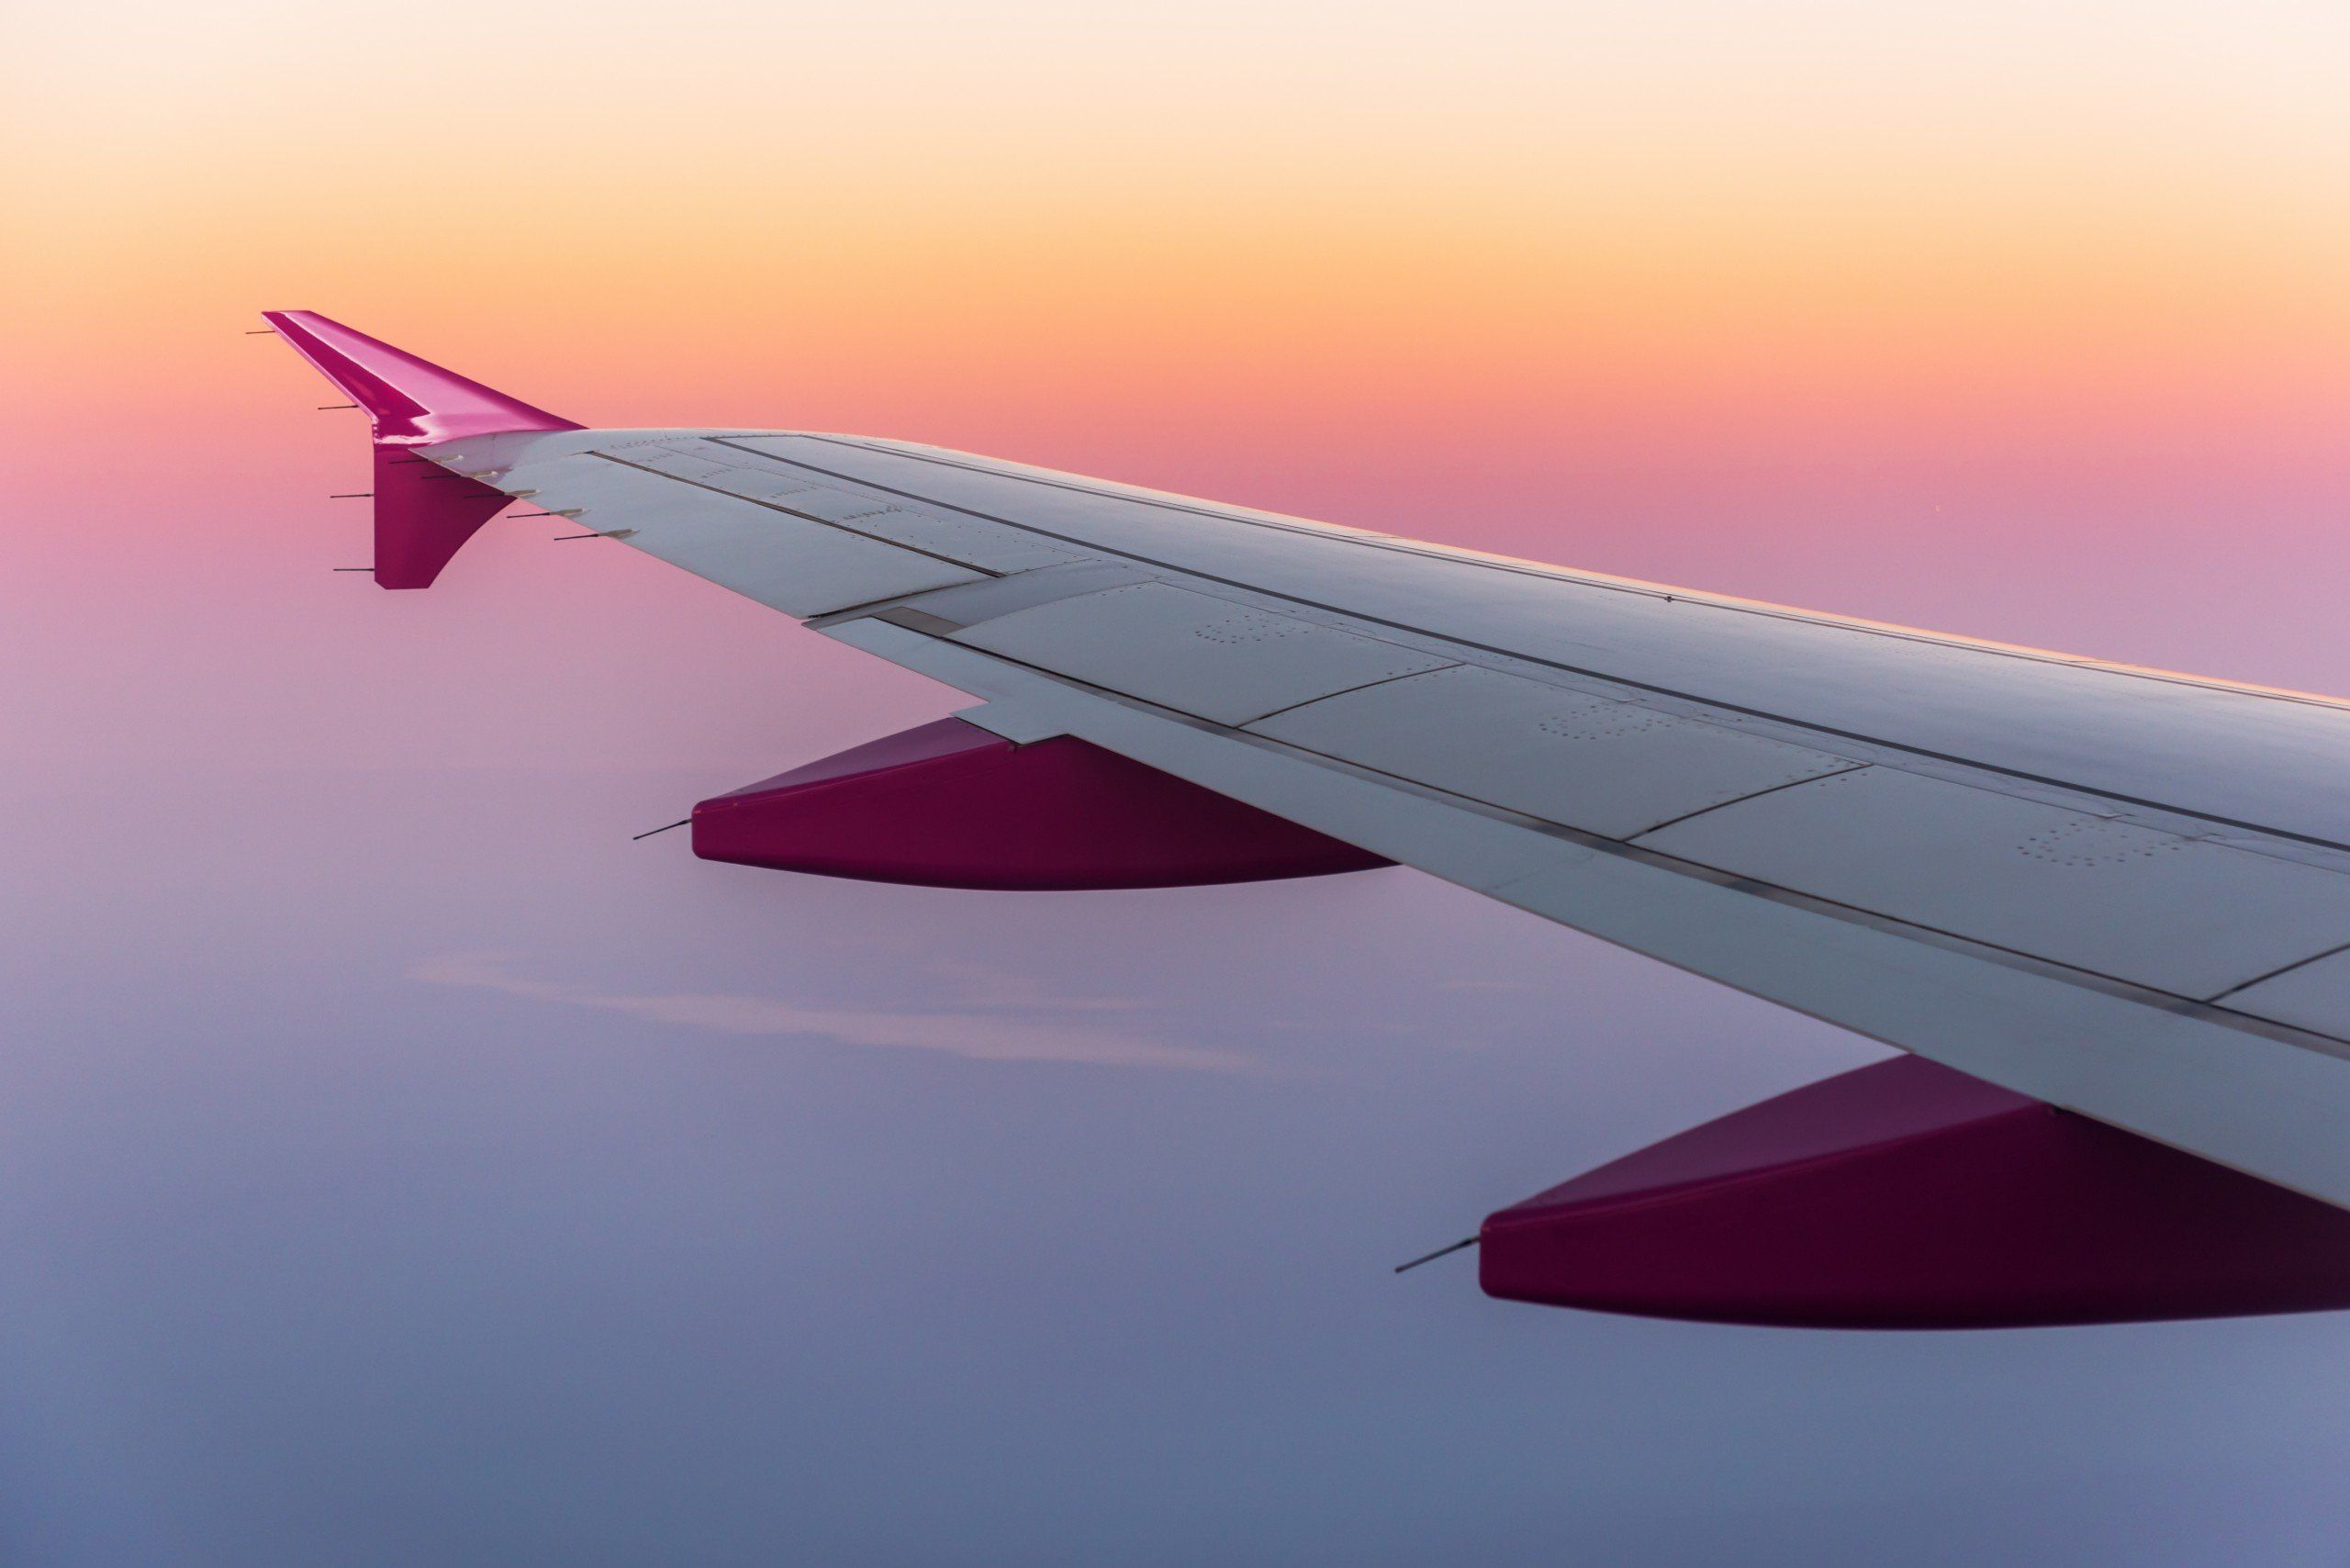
{"x": 397, "y": 1164}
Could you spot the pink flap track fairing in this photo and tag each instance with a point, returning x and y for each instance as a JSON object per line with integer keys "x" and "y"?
{"x": 949, "y": 804}
{"x": 1905, "y": 1195}
{"x": 423, "y": 513}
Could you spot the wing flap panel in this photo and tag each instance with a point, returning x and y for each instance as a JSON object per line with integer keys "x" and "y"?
{"x": 1609, "y": 768}
{"x": 1213, "y": 657}
{"x": 2180, "y": 915}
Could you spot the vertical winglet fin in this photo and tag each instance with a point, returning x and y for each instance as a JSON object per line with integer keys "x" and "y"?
{"x": 423, "y": 513}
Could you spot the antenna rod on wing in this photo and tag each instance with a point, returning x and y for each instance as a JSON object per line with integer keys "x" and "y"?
{"x": 1439, "y": 1252}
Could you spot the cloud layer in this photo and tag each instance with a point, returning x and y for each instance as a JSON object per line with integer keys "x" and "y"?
{"x": 997, "y": 1019}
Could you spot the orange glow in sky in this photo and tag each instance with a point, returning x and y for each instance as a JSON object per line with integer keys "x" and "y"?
{"x": 1878, "y": 309}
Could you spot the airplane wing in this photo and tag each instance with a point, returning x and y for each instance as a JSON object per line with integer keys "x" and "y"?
{"x": 2120, "y": 892}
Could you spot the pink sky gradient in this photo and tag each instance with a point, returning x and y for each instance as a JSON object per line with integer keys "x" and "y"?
{"x": 375, "y": 1114}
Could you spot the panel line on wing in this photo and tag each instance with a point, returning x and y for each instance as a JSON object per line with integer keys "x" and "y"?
{"x": 1342, "y": 691}
{"x": 1773, "y": 789}
{"x": 1612, "y": 767}
{"x": 2281, "y": 970}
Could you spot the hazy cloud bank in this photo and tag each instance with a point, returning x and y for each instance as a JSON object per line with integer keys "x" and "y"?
{"x": 995, "y": 1018}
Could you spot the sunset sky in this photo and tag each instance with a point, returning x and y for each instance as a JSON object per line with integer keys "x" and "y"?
{"x": 399, "y": 1165}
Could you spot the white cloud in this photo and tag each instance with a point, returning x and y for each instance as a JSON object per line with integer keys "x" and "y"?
{"x": 997, "y": 1020}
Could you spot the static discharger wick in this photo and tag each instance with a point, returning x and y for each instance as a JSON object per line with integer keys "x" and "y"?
{"x": 1439, "y": 1252}
{"x": 679, "y": 823}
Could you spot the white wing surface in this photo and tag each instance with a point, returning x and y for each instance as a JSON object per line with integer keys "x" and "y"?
{"x": 2122, "y": 891}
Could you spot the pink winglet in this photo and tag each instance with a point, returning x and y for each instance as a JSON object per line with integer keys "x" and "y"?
{"x": 423, "y": 513}
{"x": 413, "y": 403}
{"x": 1905, "y": 1195}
